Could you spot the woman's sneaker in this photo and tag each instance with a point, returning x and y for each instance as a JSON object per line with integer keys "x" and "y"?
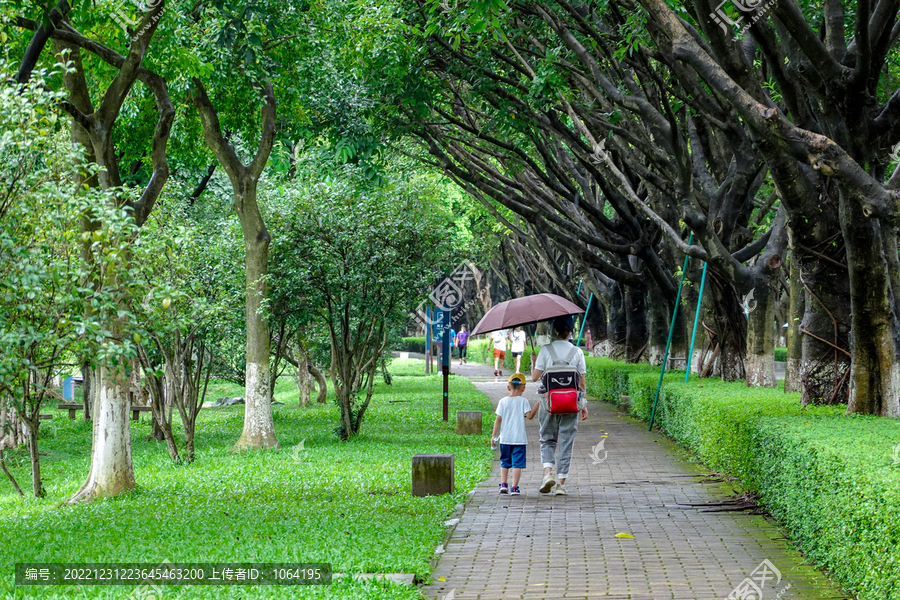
{"x": 547, "y": 484}
{"x": 560, "y": 491}
{"x": 504, "y": 489}
{"x": 515, "y": 491}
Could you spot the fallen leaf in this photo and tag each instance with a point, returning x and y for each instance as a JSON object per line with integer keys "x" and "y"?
{"x": 625, "y": 536}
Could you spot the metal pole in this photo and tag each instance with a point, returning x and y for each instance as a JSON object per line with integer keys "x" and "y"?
{"x": 584, "y": 319}
{"x": 687, "y": 368}
{"x": 428, "y": 340}
{"x": 445, "y": 360}
{"x": 662, "y": 371}
{"x": 578, "y": 291}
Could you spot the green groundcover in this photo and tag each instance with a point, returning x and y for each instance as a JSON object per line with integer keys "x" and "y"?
{"x": 315, "y": 499}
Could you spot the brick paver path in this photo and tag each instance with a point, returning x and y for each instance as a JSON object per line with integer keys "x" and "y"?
{"x": 541, "y": 546}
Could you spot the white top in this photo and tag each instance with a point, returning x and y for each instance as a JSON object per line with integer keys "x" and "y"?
{"x": 512, "y": 411}
{"x": 518, "y": 341}
{"x": 562, "y": 349}
{"x": 499, "y": 338}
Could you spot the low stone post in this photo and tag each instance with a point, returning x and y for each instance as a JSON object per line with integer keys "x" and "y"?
{"x": 432, "y": 474}
{"x": 468, "y": 422}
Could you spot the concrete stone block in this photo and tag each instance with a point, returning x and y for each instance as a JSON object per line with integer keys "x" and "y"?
{"x": 468, "y": 422}
{"x": 433, "y": 474}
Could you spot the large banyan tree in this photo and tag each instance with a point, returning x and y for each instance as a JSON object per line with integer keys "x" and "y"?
{"x": 629, "y": 134}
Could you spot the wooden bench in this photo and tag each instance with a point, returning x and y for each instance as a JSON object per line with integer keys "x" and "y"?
{"x": 137, "y": 410}
{"x": 73, "y": 408}
{"x": 45, "y": 417}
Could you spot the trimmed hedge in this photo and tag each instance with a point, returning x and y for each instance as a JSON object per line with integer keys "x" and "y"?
{"x": 781, "y": 354}
{"x": 832, "y": 480}
{"x": 411, "y": 344}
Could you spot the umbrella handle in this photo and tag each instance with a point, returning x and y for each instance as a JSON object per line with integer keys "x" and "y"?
{"x": 533, "y": 353}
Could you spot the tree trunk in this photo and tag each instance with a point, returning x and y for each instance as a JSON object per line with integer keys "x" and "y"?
{"x": 37, "y": 486}
{"x": 87, "y": 390}
{"x": 189, "y": 431}
{"x": 761, "y": 337}
{"x": 659, "y": 327}
{"x": 162, "y": 414}
{"x": 730, "y": 326}
{"x": 792, "y": 381}
{"x": 259, "y": 428}
{"x": 618, "y": 322}
{"x": 111, "y": 468}
{"x": 874, "y": 365}
{"x": 303, "y": 378}
{"x": 637, "y": 328}
{"x": 321, "y": 382}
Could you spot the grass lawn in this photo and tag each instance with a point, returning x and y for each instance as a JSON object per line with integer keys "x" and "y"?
{"x": 348, "y": 504}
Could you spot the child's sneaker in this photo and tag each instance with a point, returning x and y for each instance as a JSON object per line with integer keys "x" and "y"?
{"x": 515, "y": 491}
{"x": 495, "y": 372}
{"x": 501, "y": 373}
{"x": 504, "y": 489}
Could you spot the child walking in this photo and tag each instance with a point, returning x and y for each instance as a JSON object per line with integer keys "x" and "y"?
{"x": 510, "y": 424}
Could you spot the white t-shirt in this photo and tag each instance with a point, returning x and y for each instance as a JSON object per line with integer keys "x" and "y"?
{"x": 562, "y": 349}
{"x": 518, "y": 341}
{"x": 512, "y": 411}
{"x": 499, "y": 338}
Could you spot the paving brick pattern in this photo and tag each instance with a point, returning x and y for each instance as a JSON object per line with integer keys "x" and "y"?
{"x": 542, "y": 546}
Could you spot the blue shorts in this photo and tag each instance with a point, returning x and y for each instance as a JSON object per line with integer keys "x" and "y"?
{"x": 512, "y": 456}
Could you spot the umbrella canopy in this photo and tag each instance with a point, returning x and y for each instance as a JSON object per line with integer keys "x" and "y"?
{"x": 522, "y": 311}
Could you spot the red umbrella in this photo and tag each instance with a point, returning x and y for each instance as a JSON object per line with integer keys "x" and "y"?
{"x": 525, "y": 310}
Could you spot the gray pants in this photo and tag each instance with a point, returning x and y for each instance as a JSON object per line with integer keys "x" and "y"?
{"x": 558, "y": 431}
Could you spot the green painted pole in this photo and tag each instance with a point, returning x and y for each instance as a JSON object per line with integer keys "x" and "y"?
{"x": 584, "y": 319}
{"x": 662, "y": 371}
{"x": 687, "y": 367}
{"x": 578, "y": 291}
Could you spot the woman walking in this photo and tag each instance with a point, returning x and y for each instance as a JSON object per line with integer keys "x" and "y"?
{"x": 558, "y": 430}
{"x": 462, "y": 341}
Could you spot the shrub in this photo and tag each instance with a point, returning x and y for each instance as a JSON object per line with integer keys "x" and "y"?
{"x": 832, "y": 480}
{"x": 781, "y": 354}
{"x": 834, "y": 484}
{"x": 411, "y": 344}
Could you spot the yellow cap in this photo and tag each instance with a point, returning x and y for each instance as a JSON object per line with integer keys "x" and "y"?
{"x": 517, "y": 378}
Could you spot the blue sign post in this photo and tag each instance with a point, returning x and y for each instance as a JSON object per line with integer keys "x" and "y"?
{"x": 445, "y": 359}
{"x": 69, "y": 389}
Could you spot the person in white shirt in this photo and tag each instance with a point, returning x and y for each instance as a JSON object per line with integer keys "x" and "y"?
{"x": 510, "y": 423}
{"x": 500, "y": 339}
{"x": 558, "y": 430}
{"x": 518, "y": 347}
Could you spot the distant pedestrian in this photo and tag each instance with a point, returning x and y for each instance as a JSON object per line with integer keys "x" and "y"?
{"x": 462, "y": 341}
{"x": 518, "y": 347}
{"x": 558, "y": 431}
{"x": 510, "y": 426}
{"x": 500, "y": 338}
